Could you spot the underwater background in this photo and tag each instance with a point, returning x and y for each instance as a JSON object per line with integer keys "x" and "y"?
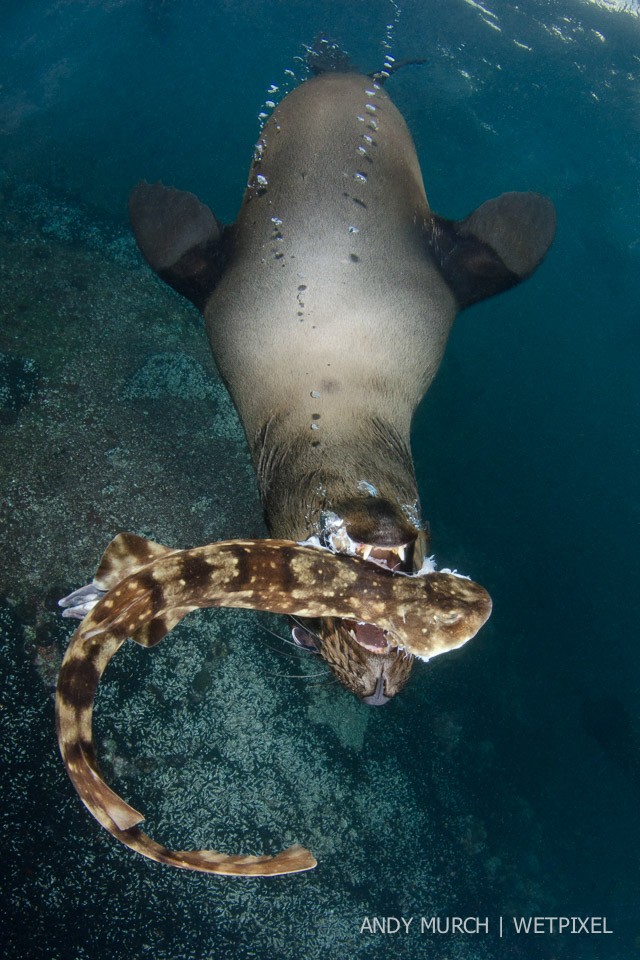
{"x": 505, "y": 780}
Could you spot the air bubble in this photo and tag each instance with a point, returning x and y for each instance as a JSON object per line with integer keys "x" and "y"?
{"x": 370, "y": 108}
{"x": 367, "y": 138}
{"x": 373, "y": 125}
{"x": 315, "y": 426}
{"x": 276, "y": 221}
{"x": 315, "y": 394}
{"x": 365, "y": 487}
{"x": 270, "y": 104}
{"x": 362, "y": 177}
{"x": 361, "y": 151}
{"x": 261, "y": 180}
{"x": 262, "y": 115}
{"x": 361, "y": 119}
{"x": 273, "y": 88}
{"x": 354, "y": 230}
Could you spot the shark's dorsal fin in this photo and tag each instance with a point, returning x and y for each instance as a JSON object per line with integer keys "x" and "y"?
{"x": 179, "y": 237}
{"x": 126, "y": 554}
{"x": 494, "y": 248}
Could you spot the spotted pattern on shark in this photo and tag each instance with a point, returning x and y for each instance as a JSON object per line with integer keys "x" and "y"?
{"x": 146, "y": 589}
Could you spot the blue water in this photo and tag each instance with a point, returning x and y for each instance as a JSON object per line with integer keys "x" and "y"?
{"x": 505, "y": 780}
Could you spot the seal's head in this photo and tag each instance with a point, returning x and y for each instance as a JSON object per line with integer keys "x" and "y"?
{"x": 374, "y": 674}
{"x": 358, "y": 653}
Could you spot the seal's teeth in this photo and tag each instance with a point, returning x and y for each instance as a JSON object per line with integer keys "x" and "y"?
{"x": 365, "y": 550}
{"x": 402, "y": 553}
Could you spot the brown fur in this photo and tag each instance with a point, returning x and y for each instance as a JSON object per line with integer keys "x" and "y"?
{"x": 328, "y": 308}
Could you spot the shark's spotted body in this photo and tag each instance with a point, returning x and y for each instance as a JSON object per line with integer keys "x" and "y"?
{"x": 328, "y": 305}
{"x": 148, "y": 589}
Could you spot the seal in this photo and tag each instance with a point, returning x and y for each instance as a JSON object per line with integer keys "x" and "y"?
{"x": 328, "y": 304}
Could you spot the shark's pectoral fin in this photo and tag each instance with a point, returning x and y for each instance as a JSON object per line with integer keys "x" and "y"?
{"x": 179, "y": 237}
{"x": 495, "y": 247}
{"x": 155, "y": 630}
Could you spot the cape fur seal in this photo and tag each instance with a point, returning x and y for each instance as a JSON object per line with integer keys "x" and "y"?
{"x": 328, "y": 304}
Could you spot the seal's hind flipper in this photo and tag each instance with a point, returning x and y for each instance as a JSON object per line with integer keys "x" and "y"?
{"x": 495, "y": 247}
{"x": 381, "y": 76}
{"x": 327, "y": 56}
{"x": 179, "y": 237}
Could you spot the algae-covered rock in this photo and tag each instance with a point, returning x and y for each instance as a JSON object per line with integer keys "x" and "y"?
{"x": 18, "y": 385}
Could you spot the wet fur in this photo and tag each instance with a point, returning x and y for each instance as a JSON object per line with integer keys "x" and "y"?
{"x": 328, "y": 305}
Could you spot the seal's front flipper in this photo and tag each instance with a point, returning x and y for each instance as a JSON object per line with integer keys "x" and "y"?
{"x": 493, "y": 249}
{"x": 179, "y": 237}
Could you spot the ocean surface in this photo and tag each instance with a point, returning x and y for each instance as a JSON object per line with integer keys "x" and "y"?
{"x": 504, "y": 782}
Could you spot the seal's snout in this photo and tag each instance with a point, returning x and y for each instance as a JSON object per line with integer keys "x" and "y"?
{"x": 377, "y": 698}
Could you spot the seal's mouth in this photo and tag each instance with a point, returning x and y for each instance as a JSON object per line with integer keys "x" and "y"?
{"x": 372, "y": 638}
{"x": 395, "y": 558}
{"x": 398, "y": 558}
